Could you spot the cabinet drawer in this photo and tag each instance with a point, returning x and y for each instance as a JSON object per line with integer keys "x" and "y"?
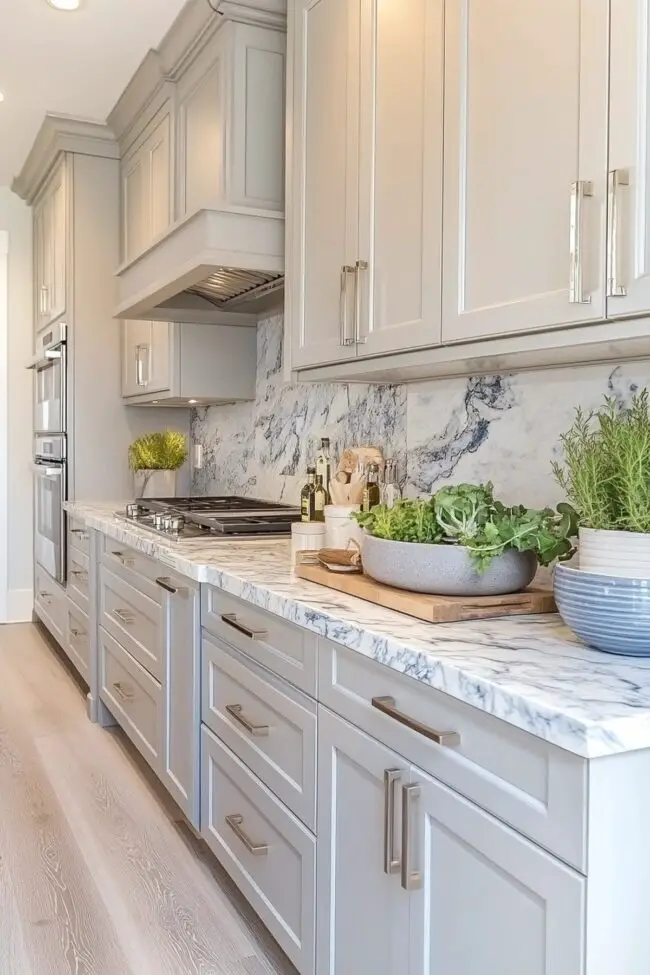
{"x": 133, "y": 619}
{"x": 78, "y": 643}
{"x": 79, "y": 535}
{"x": 537, "y": 788}
{"x": 138, "y": 570}
{"x": 284, "y": 648}
{"x": 79, "y": 579}
{"x": 268, "y": 853}
{"x": 132, "y": 696}
{"x": 49, "y": 604}
{"x": 266, "y": 722}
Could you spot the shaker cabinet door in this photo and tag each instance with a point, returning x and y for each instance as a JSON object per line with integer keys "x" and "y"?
{"x": 400, "y": 174}
{"x": 525, "y": 137}
{"x": 483, "y": 898}
{"x": 324, "y": 225}
{"x": 147, "y": 187}
{"x": 628, "y": 238}
{"x": 363, "y": 913}
{"x": 146, "y": 358}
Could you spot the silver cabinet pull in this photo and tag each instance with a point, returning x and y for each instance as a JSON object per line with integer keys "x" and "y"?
{"x": 76, "y": 633}
{"x": 257, "y": 849}
{"x": 124, "y": 559}
{"x": 411, "y": 879}
{"x": 119, "y": 690}
{"x": 81, "y": 533}
{"x": 387, "y": 706}
{"x": 45, "y": 596}
{"x": 344, "y": 339}
{"x": 165, "y": 583}
{"x": 391, "y": 862}
{"x": 230, "y": 619}
{"x": 579, "y": 190}
{"x": 124, "y": 616}
{"x": 237, "y": 712}
{"x": 358, "y": 268}
{"x": 140, "y": 351}
{"x": 615, "y": 179}
{"x": 79, "y": 573}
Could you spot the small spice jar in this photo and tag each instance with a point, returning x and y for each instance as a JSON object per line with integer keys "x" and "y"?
{"x": 340, "y": 526}
{"x": 306, "y": 536}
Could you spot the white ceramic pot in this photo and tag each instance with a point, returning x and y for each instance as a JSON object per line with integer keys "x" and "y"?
{"x": 155, "y": 484}
{"x": 613, "y": 553}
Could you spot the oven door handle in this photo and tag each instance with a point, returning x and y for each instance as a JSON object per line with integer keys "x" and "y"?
{"x": 44, "y": 471}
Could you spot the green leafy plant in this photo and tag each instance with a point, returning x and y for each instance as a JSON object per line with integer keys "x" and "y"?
{"x": 606, "y": 471}
{"x": 468, "y": 515}
{"x": 158, "y": 452}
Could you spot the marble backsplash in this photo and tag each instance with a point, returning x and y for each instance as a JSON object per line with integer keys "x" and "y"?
{"x": 502, "y": 428}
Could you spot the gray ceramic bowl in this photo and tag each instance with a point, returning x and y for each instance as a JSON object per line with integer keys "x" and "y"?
{"x": 607, "y": 612}
{"x": 444, "y": 570}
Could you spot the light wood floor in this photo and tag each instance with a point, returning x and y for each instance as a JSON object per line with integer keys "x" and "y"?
{"x": 99, "y": 875}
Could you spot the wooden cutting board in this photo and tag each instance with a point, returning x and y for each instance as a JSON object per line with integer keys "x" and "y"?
{"x": 431, "y": 609}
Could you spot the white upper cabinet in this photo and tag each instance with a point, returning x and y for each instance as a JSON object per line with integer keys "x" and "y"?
{"x": 400, "y": 175}
{"x": 325, "y": 180}
{"x": 628, "y": 239}
{"x": 524, "y": 165}
{"x": 147, "y": 187}
{"x": 367, "y": 156}
{"x": 174, "y": 362}
{"x": 50, "y": 248}
{"x": 230, "y": 122}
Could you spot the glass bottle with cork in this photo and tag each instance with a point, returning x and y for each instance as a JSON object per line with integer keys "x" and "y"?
{"x": 308, "y": 496}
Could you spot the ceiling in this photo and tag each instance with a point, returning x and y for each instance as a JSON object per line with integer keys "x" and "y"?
{"x": 69, "y": 63}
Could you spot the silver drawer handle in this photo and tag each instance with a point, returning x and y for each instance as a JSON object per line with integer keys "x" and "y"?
{"x": 81, "y": 532}
{"x": 119, "y": 690}
{"x": 80, "y": 573}
{"x": 230, "y": 619}
{"x": 124, "y": 559}
{"x": 124, "y": 616}
{"x": 387, "y": 706}
{"x": 77, "y": 634}
{"x": 256, "y": 730}
{"x": 257, "y": 849}
{"x": 411, "y": 879}
{"x": 391, "y": 862}
{"x": 165, "y": 583}
{"x": 45, "y": 596}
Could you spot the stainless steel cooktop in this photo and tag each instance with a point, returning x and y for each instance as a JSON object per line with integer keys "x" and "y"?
{"x": 180, "y": 519}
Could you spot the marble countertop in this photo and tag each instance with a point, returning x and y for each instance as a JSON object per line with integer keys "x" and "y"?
{"x": 530, "y": 671}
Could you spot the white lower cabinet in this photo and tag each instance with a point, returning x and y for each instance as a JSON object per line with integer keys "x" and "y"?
{"x": 269, "y": 854}
{"x": 363, "y": 913}
{"x": 413, "y": 878}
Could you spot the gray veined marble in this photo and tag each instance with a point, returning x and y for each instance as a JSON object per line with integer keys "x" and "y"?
{"x": 263, "y": 448}
{"x": 530, "y": 671}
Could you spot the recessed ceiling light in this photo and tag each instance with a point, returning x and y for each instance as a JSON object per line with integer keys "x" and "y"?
{"x": 2, "y": 97}
{"x": 65, "y": 4}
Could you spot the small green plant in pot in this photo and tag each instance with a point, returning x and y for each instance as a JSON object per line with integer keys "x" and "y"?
{"x": 606, "y": 477}
{"x": 463, "y": 542}
{"x": 154, "y": 459}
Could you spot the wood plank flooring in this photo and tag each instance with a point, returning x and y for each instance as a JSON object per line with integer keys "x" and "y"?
{"x": 99, "y": 874}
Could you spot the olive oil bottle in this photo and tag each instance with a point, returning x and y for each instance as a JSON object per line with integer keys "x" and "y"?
{"x": 320, "y": 499}
{"x": 324, "y": 465}
{"x": 371, "y": 492}
{"x": 308, "y": 496}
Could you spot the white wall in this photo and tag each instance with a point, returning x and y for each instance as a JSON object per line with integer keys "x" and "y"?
{"x": 16, "y": 349}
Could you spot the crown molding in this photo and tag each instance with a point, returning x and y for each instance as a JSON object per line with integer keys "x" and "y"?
{"x": 57, "y": 134}
{"x": 193, "y": 28}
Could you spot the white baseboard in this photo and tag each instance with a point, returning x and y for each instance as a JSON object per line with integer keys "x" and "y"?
{"x": 19, "y": 606}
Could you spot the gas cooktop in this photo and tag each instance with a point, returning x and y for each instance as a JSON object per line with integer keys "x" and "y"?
{"x": 180, "y": 519}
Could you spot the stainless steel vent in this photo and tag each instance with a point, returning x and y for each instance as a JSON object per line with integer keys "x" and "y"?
{"x": 228, "y": 285}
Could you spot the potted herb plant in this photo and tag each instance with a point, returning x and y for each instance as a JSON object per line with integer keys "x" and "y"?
{"x": 606, "y": 477}
{"x": 463, "y": 542}
{"x": 154, "y": 459}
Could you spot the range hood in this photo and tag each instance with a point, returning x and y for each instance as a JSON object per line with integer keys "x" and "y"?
{"x": 210, "y": 267}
